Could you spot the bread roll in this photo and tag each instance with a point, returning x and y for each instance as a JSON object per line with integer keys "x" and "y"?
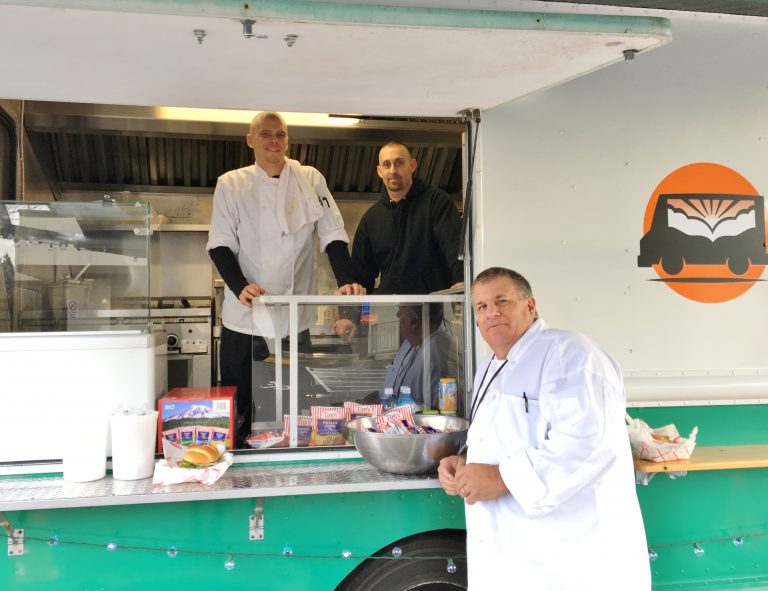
{"x": 201, "y": 454}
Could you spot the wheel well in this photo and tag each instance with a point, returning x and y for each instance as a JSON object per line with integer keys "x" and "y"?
{"x": 413, "y": 574}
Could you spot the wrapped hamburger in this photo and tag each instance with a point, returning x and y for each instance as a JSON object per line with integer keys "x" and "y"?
{"x": 196, "y": 463}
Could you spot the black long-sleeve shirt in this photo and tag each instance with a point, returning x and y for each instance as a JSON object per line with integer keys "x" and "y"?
{"x": 412, "y": 243}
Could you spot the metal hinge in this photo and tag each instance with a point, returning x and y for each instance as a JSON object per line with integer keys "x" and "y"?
{"x": 256, "y": 522}
{"x": 15, "y": 537}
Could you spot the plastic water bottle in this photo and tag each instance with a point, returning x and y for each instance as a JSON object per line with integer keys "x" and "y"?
{"x": 405, "y": 398}
{"x": 388, "y": 398}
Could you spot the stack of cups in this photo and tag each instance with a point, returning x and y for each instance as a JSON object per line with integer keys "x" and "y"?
{"x": 133, "y": 444}
{"x": 84, "y": 446}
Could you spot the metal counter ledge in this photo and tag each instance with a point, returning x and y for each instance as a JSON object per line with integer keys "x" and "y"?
{"x": 300, "y": 478}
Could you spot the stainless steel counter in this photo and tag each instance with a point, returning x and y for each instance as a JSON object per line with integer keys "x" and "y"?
{"x": 304, "y": 478}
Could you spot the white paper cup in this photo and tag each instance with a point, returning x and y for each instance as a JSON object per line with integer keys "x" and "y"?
{"x": 133, "y": 445}
{"x": 84, "y": 448}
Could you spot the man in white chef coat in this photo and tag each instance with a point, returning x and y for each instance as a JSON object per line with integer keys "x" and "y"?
{"x": 547, "y": 479}
{"x": 263, "y": 227}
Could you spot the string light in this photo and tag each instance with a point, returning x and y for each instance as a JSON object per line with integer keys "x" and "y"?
{"x": 173, "y": 551}
{"x": 736, "y": 540}
{"x": 396, "y": 553}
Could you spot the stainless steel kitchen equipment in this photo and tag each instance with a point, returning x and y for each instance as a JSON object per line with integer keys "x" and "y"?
{"x": 188, "y": 337}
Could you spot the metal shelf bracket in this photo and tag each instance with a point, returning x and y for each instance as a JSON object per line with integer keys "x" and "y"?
{"x": 15, "y": 537}
{"x": 256, "y": 522}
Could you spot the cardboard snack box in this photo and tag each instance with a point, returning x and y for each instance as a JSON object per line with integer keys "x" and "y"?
{"x": 197, "y": 415}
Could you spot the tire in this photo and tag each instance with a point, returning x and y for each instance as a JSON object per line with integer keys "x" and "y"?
{"x": 672, "y": 265}
{"x": 414, "y": 575}
{"x": 738, "y": 265}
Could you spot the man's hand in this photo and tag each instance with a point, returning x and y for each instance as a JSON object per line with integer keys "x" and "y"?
{"x": 345, "y": 329}
{"x": 479, "y": 482}
{"x": 249, "y": 292}
{"x": 457, "y": 285}
{"x": 350, "y": 289}
{"x": 446, "y": 472}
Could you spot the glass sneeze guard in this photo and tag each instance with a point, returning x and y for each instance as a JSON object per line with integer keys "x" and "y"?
{"x": 74, "y": 266}
{"x": 390, "y": 340}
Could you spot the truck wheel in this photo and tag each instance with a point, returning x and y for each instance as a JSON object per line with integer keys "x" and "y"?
{"x": 672, "y": 265}
{"x": 414, "y": 575}
{"x": 738, "y": 265}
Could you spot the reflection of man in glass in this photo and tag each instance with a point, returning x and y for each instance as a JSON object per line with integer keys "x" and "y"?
{"x": 408, "y": 366}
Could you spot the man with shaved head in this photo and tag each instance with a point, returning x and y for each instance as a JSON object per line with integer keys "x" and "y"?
{"x": 262, "y": 241}
{"x": 409, "y": 239}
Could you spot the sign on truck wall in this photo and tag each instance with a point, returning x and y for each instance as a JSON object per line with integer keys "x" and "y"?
{"x": 705, "y": 233}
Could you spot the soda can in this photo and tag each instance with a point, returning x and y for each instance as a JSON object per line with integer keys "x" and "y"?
{"x": 448, "y": 400}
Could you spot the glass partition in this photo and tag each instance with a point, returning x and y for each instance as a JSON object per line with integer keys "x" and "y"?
{"x": 74, "y": 266}
{"x": 386, "y": 347}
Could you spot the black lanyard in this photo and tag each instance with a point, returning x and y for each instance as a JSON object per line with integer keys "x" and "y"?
{"x": 410, "y": 357}
{"x": 479, "y": 400}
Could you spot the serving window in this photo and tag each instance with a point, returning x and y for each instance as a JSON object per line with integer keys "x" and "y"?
{"x": 315, "y": 380}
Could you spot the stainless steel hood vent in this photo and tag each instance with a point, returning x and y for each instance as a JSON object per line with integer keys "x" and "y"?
{"x": 130, "y": 151}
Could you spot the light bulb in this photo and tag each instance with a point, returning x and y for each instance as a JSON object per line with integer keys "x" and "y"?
{"x": 229, "y": 563}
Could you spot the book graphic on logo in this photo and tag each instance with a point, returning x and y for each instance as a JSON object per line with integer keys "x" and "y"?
{"x": 705, "y": 229}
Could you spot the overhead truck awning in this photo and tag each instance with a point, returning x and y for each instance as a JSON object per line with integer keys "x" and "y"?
{"x": 303, "y": 56}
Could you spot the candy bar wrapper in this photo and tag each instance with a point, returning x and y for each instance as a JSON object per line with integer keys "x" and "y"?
{"x": 167, "y": 470}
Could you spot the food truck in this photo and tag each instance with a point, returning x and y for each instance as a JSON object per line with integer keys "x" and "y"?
{"x": 579, "y": 125}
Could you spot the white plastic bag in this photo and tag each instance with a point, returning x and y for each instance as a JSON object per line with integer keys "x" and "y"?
{"x": 666, "y": 446}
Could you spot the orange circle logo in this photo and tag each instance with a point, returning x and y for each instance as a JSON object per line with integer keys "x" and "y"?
{"x": 704, "y": 233}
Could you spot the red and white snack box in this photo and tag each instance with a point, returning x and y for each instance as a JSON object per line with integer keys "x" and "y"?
{"x": 189, "y": 411}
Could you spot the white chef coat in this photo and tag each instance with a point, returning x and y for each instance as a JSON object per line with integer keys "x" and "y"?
{"x": 571, "y": 521}
{"x": 245, "y": 220}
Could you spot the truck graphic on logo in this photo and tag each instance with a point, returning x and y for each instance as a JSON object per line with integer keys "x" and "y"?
{"x": 705, "y": 229}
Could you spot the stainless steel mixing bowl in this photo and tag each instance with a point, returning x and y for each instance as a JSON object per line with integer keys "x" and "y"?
{"x": 408, "y": 454}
